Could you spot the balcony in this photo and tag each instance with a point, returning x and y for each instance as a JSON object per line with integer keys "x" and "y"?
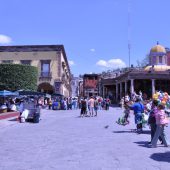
{"x": 45, "y": 76}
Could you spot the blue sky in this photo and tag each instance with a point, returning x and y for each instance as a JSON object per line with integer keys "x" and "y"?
{"x": 93, "y": 32}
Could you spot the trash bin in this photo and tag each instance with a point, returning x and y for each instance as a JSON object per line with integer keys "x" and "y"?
{"x": 36, "y": 117}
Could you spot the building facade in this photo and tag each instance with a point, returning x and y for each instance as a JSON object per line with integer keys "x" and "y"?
{"x": 75, "y": 86}
{"x": 90, "y": 85}
{"x": 51, "y": 61}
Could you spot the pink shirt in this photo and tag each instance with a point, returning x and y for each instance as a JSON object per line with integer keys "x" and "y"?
{"x": 160, "y": 117}
{"x": 91, "y": 102}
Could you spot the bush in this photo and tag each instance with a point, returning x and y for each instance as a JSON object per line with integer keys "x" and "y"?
{"x": 15, "y": 77}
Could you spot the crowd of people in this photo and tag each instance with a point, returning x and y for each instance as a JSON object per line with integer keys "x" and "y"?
{"x": 153, "y": 112}
{"x": 90, "y": 106}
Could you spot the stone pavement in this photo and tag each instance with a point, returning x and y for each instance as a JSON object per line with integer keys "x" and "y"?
{"x": 63, "y": 141}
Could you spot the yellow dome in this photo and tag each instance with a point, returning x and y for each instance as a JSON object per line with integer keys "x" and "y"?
{"x": 157, "y": 68}
{"x": 158, "y": 49}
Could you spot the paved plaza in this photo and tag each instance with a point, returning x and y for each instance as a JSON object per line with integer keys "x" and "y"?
{"x": 64, "y": 141}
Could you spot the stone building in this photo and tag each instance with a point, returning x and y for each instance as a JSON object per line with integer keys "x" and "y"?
{"x": 80, "y": 88}
{"x": 155, "y": 76}
{"x": 75, "y": 86}
{"x": 51, "y": 61}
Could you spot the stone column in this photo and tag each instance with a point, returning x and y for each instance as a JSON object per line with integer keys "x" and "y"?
{"x": 153, "y": 87}
{"x": 106, "y": 91}
{"x": 125, "y": 87}
{"x": 103, "y": 91}
{"x": 132, "y": 86}
{"x": 121, "y": 90}
{"x": 116, "y": 91}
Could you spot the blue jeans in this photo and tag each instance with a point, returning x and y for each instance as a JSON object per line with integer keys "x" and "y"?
{"x": 138, "y": 118}
{"x": 159, "y": 132}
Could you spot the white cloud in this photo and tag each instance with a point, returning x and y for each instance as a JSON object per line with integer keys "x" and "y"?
{"x": 102, "y": 63}
{"x": 112, "y": 63}
{"x": 92, "y": 50}
{"x": 71, "y": 63}
{"x": 5, "y": 39}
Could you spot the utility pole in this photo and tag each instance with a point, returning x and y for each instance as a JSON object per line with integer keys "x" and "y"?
{"x": 129, "y": 30}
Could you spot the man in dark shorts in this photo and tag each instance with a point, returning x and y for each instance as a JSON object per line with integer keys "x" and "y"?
{"x": 83, "y": 108}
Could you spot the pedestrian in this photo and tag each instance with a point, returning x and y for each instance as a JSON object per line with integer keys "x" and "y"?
{"x": 122, "y": 102}
{"x": 138, "y": 109}
{"x": 96, "y": 106}
{"x": 65, "y": 103}
{"x": 161, "y": 122}
{"x": 49, "y": 104}
{"x": 127, "y": 112}
{"x": 107, "y": 104}
{"x": 100, "y": 103}
{"x": 91, "y": 106}
{"x": 83, "y": 108}
{"x": 124, "y": 119}
{"x": 152, "y": 119}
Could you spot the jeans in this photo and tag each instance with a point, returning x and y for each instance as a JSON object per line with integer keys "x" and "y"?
{"x": 91, "y": 110}
{"x": 138, "y": 118}
{"x": 159, "y": 132}
{"x": 153, "y": 130}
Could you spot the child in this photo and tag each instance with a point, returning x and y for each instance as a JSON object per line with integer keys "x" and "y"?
{"x": 124, "y": 119}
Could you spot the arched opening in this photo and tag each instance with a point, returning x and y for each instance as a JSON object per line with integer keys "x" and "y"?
{"x": 46, "y": 88}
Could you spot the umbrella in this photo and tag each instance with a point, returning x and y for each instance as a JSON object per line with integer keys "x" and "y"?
{"x": 30, "y": 93}
{"x": 57, "y": 94}
{"x": 5, "y": 93}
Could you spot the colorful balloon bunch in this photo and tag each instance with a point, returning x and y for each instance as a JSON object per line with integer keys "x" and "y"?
{"x": 163, "y": 98}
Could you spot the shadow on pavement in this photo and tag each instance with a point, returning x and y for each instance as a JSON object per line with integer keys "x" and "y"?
{"x": 142, "y": 143}
{"x": 15, "y": 119}
{"x": 133, "y": 131}
{"x": 125, "y": 131}
{"x": 146, "y": 132}
{"x": 163, "y": 157}
{"x": 83, "y": 116}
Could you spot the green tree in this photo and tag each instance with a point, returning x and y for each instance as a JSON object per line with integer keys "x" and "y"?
{"x": 15, "y": 77}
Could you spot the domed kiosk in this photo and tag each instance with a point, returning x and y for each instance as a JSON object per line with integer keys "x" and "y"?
{"x": 157, "y": 59}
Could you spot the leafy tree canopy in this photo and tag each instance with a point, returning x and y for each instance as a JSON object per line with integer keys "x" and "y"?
{"x": 15, "y": 77}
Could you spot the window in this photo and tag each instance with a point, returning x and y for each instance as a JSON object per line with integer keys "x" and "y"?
{"x": 160, "y": 59}
{"x": 7, "y": 61}
{"x": 45, "y": 68}
{"x": 26, "y": 62}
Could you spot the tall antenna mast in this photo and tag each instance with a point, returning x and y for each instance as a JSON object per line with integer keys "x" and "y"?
{"x": 129, "y": 30}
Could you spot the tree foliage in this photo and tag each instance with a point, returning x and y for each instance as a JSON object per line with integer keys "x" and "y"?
{"x": 143, "y": 62}
{"x": 15, "y": 77}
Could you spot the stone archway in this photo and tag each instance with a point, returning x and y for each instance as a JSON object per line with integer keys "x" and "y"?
{"x": 46, "y": 88}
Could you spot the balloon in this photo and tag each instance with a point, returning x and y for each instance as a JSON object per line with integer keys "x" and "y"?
{"x": 155, "y": 96}
{"x": 163, "y": 102}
